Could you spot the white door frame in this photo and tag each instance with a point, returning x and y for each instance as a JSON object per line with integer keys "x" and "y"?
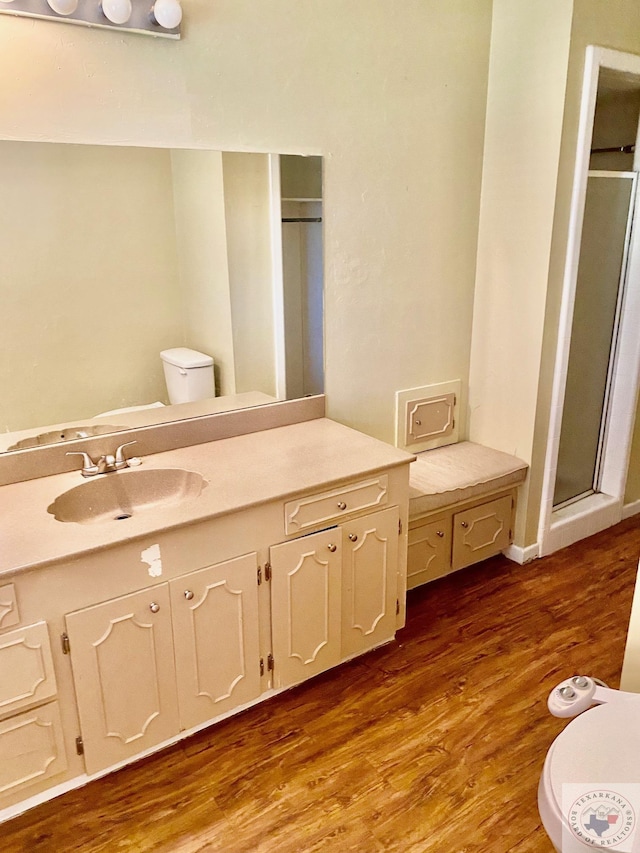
{"x": 562, "y": 527}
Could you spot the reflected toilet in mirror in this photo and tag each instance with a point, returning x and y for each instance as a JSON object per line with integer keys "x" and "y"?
{"x": 188, "y": 375}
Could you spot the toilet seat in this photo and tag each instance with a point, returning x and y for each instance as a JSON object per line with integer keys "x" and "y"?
{"x": 602, "y": 746}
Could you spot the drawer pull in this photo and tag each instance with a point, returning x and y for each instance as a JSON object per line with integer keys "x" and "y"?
{"x": 153, "y": 607}
{"x": 188, "y": 594}
{"x": 464, "y": 523}
{"x": 342, "y": 505}
{"x": 353, "y": 537}
{"x": 332, "y": 547}
{"x": 440, "y": 533}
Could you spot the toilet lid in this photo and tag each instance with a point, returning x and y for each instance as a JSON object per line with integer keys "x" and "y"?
{"x": 185, "y": 357}
{"x": 602, "y": 745}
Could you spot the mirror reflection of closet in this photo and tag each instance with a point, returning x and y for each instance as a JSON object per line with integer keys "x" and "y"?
{"x": 302, "y": 268}
{"x": 606, "y": 236}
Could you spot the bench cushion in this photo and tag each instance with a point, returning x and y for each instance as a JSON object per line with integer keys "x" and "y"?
{"x": 459, "y": 472}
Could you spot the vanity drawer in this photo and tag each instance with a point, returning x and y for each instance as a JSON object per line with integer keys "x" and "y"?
{"x": 27, "y": 677}
{"x": 481, "y": 531}
{"x": 429, "y": 551}
{"x": 8, "y": 606}
{"x": 31, "y": 748}
{"x": 327, "y": 507}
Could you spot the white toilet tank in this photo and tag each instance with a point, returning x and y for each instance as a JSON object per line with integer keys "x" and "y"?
{"x": 188, "y": 374}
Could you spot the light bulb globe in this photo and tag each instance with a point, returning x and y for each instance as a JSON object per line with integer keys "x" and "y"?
{"x": 167, "y": 13}
{"x": 117, "y": 11}
{"x": 63, "y": 7}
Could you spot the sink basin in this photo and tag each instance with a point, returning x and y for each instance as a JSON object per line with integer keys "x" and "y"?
{"x": 64, "y": 434}
{"x": 123, "y": 494}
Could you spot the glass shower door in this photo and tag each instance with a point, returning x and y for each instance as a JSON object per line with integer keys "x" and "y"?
{"x": 606, "y": 233}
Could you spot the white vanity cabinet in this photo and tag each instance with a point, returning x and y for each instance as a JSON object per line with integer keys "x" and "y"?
{"x": 291, "y": 560}
{"x": 151, "y": 664}
{"x": 458, "y": 537}
{"x": 334, "y": 594}
{"x": 178, "y": 654}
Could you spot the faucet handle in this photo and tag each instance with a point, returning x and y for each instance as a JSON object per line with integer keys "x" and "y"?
{"x": 89, "y": 467}
{"x": 121, "y": 460}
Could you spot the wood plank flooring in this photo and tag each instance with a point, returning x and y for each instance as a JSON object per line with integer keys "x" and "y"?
{"x": 433, "y": 743}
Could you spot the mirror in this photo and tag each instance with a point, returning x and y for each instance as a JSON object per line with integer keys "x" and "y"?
{"x": 110, "y": 255}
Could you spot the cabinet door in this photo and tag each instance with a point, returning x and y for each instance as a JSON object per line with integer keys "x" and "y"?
{"x": 481, "y": 531}
{"x": 215, "y": 623}
{"x": 429, "y": 555}
{"x": 124, "y": 674}
{"x": 31, "y": 749}
{"x": 305, "y": 605}
{"x": 27, "y": 677}
{"x": 369, "y": 582}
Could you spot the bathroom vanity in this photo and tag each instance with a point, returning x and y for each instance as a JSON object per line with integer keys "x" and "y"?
{"x": 121, "y": 635}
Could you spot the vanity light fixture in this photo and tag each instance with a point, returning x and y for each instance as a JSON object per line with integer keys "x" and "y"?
{"x": 147, "y": 17}
{"x": 116, "y": 11}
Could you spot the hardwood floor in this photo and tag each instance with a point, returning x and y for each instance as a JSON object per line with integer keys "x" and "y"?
{"x": 433, "y": 743}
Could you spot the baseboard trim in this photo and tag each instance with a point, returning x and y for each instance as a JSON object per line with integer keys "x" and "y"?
{"x": 630, "y": 509}
{"x": 523, "y": 555}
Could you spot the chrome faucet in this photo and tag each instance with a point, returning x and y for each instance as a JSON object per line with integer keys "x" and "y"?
{"x": 106, "y": 463}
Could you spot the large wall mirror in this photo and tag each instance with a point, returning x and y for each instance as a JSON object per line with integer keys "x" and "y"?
{"x": 110, "y": 255}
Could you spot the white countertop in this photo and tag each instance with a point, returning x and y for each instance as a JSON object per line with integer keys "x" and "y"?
{"x": 241, "y": 472}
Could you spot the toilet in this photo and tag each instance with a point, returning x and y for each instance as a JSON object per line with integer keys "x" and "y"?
{"x": 597, "y": 751}
{"x": 188, "y": 375}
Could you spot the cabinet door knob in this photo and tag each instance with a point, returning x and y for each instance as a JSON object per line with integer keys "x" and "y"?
{"x": 332, "y": 547}
{"x": 153, "y": 607}
{"x": 188, "y": 594}
{"x": 342, "y": 505}
{"x": 353, "y": 537}
{"x": 464, "y": 523}
{"x": 440, "y": 533}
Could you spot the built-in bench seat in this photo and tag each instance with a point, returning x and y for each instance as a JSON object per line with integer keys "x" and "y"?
{"x": 461, "y": 507}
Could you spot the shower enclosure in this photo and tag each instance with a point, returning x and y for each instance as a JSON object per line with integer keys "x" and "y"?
{"x": 600, "y": 292}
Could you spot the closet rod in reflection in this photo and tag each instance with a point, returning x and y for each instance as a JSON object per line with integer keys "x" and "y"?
{"x": 302, "y": 219}
{"x": 617, "y": 149}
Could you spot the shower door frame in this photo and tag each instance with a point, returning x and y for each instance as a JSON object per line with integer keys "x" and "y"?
{"x": 563, "y": 526}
